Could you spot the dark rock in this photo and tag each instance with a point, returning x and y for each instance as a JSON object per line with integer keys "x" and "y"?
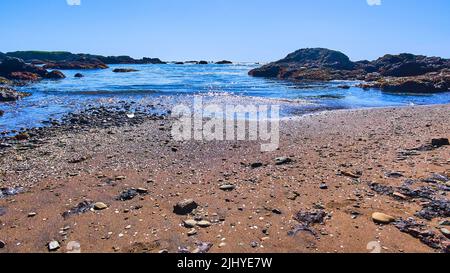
{"x": 79, "y": 75}
{"x": 17, "y": 69}
{"x": 282, "y": 160}
{"x": 81, "y": 208}
{"x": 224, "y": 62}
{"x": 179, "y": 62}
{"x": 2, "y": 244}
{"x": 256, "y": 165}
{"x": 434, "y": 209}
{"x": 306, "y": 219}
{"x": 124, "y": 70}
{"x": 7, "y": 192}
{"x": 55, "y": 74}
{"x": 420, "y": 231}
{"x": 127, "y": 195}
{"x": 185, "y": 207}
{"x": 439, "y": 142}
{"x": 323, "y": 186}
{"x": 203, "y": 62}
{"x": 81, "y": 63}
{"x": 344, "y": 86}
{"x": 8, "y": 94}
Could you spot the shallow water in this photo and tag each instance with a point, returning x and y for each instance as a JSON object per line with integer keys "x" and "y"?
{"x": 166, "y": 85}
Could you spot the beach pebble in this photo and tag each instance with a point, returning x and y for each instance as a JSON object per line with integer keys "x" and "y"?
{"x": 100, "y": 206}
{"x": 190, "y": 223}
{"x": 53, "y": 246}
{"x": 204, "y": 224}
{"x": 282, "y": 160}
{"x": 323, "y": 186}
{"x": 382, "y": 218}
{"x": 185, "y": 207}
{"x": 32, "y": 214}
{"x": 192, "y": 232}
{"x": 446, "y": 232}
{"x": 2, "y": 244}
{"x": 444, "y": 223}
{"x": 228, "y": 187}
{"x": 399, "y": 195}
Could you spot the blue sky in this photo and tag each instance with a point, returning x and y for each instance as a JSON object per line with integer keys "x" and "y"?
{"x": 239, "y": 30}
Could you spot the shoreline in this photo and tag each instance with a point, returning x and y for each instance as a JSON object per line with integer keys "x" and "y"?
{"x": 346, "y": 150}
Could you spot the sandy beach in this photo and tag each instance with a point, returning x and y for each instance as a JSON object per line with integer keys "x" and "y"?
{"x": 341, "y": 166}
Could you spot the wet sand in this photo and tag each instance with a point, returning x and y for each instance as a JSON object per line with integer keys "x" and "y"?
{"x": 345, "y": 150}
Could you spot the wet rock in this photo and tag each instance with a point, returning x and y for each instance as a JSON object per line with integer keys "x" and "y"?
{"x": 185, "y": 207}
{"x": 439, "y": 142}
{"x": 224, "y": 62}
{"x": 282, "y": 160}
{"x": 53, "y": 246}
{"x": 124, "y": 70}
{"x": 80, "y": 63}
{"x": 381, "y": 218}
{"x": 81, "y": 208}
{"x": 202, "y": 62}
{"x": 8, "y": 95}
{"x": 79, "y": 75}
{"x": 100, "y": 206}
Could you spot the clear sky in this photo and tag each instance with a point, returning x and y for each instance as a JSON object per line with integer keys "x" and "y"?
{"x": 239, "y": 30}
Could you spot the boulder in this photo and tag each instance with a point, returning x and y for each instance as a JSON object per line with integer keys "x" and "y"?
{"x": 17, "y": 69}
{"x": 224, "y": 62}
{"x": 8, "y": 95}
{"x": 185, "y": 207}
{"x": 82, "y": 63}
{"x": 203, "y": 62}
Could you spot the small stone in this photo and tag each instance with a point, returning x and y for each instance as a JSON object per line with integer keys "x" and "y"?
{"x": 100, "y": 206}
{"x": 445, "y": 232}
{"x": 282, "y": 160}
{"x": 223, "y": 244}
{"x": 254, "y": 244}
{"x": 2, "y": 244}
{"x": 382, "y": 218}
{"x": 190, "y": 223}
{"x": 444, "y": 223}
{"x": 53, "y": 246}
{"x": 185, "y": 207}
{"x": 192, "y": 232}
{"x": 204, "y": 224}
{"x": 32, "y": 214}
{"x": 399, "y": 195}
{"x": 142, "y": 190}
{"x": 323, "y": 186}
{"x": 277, "y": 211}
{"x": 256, "y": 165}
{"x": 439, "y": 142}
{"x": 228, "y": 187}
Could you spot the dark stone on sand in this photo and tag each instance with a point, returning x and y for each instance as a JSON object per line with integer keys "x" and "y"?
{"x": 439, "y": 142}
{"x": 7, "y": 192}
{"x": 127, "y": 195}
{"x": 81, "y": 208}
{"x": 282, "y": 160}
{"x": 2, "y": 244}
{"x": 185, "y": 207}
{"x": 256, "y": 165}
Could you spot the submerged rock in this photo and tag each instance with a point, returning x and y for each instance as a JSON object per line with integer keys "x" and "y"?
{"x": 79, "y": 75}
{"x": 224, "y": 62}
{"x": 124, "y": 70}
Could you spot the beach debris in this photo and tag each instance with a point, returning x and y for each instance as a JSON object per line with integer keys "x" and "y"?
{"x": 202, "y": 247}
{"x": 434, "y": 209}
{"x": 282, "y": 160}
{"x": 439, "y": 142}
{"x": 100, "y": 206}
{"x": 227, "y": 187}
{"x": 129, "y": 194}
{"x": 420, "y": 231}
{"x": 53, "y": 246}
{"x": 185, "y": 207}
{"x": 381, "y": 218}
{"x": 306, "y": 220}
{"x": 81, "y": 208}
{"x": 7, "y": 192}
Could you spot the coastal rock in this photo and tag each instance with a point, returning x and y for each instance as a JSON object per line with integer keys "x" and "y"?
{"x": 381, "y": 218}
{"x": 224, "y": 62}
{"x": 79, "y": 75}
{"x": 8, "y": 94}
{"x": 185, "y": 207}
{"x": 55, "y": 74}
{"x": 203, "y": 62}
{"x": 24, "y": 76}
{"x": 124, "y": 70}
{"x": 82, "y": 63}
{"x": 2, "y": 113}
{"x": 17, "y": 69}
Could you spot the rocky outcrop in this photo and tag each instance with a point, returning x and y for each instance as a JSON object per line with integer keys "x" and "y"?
{"x": 124, "y": 70}
{"x": 224, "y": 62}
{"x": 430, "y": 82}
{"x": 17, "y": 69}
{"x": 394, "y": 73}
{"x": 8, "y": 94}
{"x": 82, "y": 63}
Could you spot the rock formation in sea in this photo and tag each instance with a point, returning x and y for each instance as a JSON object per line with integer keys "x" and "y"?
{"x": 16, "y": 69}
{"x": 394, "y": 73}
